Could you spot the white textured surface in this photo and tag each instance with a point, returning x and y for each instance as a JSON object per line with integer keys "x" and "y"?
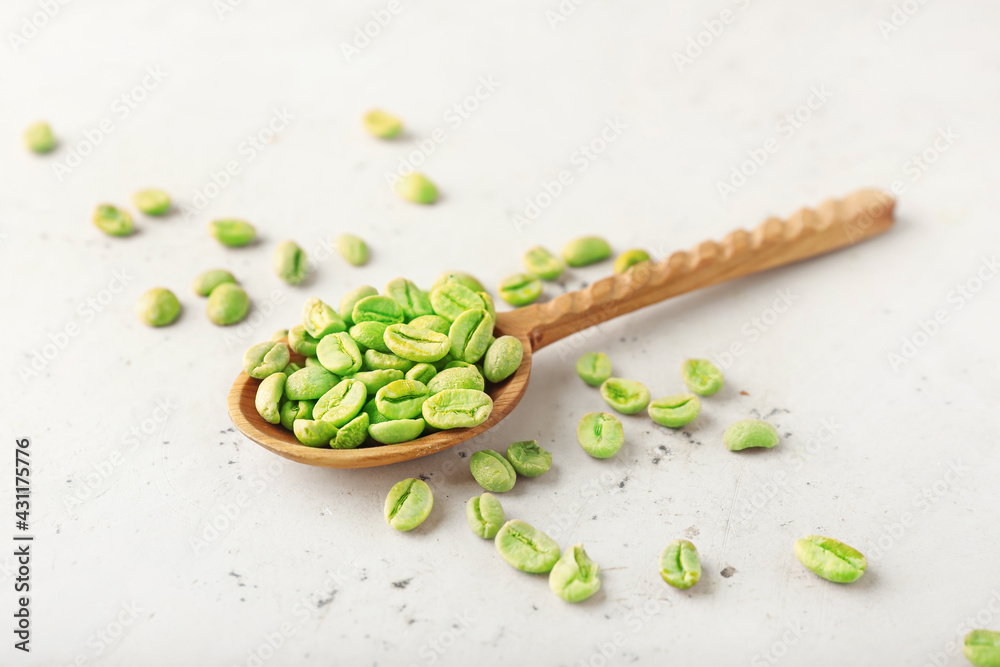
{"x": 305, "y": 560}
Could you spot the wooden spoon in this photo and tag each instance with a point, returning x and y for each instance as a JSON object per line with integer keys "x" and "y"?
{"x": 834, "y": 224}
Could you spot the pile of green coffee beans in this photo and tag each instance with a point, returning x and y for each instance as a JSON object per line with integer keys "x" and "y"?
{"x": 385, "y": 368}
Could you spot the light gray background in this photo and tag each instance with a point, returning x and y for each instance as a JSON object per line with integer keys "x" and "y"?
{"x": 899, "y": 462}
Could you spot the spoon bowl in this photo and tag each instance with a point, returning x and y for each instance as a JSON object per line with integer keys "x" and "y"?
{"x": 834, "y": 224}
{"x": 506, "y": 395}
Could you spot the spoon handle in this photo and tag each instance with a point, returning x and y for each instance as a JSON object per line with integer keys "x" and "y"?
{"x": 833, "y": 224}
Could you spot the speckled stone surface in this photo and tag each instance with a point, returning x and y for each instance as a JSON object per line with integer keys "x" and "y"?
{"x": 163, "y": 537}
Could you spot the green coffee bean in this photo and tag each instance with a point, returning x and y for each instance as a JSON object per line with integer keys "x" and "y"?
{"x": 375, "y": 360}
{"x": 319, "y": 319}
{"x": 750, "y": 433}
{"x": 586, "y": 250}
{"x": 492, "y": 471}
{"x": 456, "y": 378}
{"x": 702, "y": 376}
{"x": 575, "y": 577}
{"x": 265, "y": 359}
{"x": 409, "y": 502}
{"x": 352, "y": 434}
{"x": 676, "y": 410}
{"x": 542, "y": 263}
{"x": 113, "y": 220}
{"x": 416, "y": 188}
{"x": 300, "y": 341}
{"x": 452, "y": 298}
{"x": 485, "y": 515}
{"x": 831, "y": 559}
{"x": 414, "y": 301}
{"x": 520, "y": 289}
{"x": 371, "y": 335}
{"x": 396, "y": 431}
{"x": 311, "y": 361}
{"x": 600, "y": 434}
{"x": 209, "y": 280}
{"x": 377, "y": 309}
{"x": 470, "y": 335}
{"x": 269, "y": 394}
{"x": 503, "y": 358}
{"x": 349, "y": 300}
{"x": 353, "y": 249}
{"x": 152, "y": 201}
{"x": 982, "y": 648}
{"x": 341, "y": 403}
{"x": 526, "y": 548}
{"x": 457, "y": 408}
{"x": 227, "y": 304}
{"x": 443, "y": 363}
{"x": 626, "y": 396}
{"x": 465, "y": 279}
{"x": 290, "y": 262}
{"x": 310, "y": 383}
{"x": 158, "y": 307}
{"x": 339, "y": 353}
{"x": 680, "y": 565}
{"x": 401, "y": 399}
{"x": 421, "y": 373}
{"x": 314, "y": 432}
{"x": 280, "y": 334}
{"x": 291, "y": 368}
{"x": 292, "y": 410}
{"x": 374, "y": 416}
{"x": 375, "y": 380}
{"x": 382, "y": 125}
{"x": 528, "y": 459}
{"x": 434, "y": 323}
{"x": 420, "y": 345}
{"x": 630, "y": 258}
{"x": 232, "y": 233}
{"x": 38, "y": 138}
{"x": 593, "y": 368}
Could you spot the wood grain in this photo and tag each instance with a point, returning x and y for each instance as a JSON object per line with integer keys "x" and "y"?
{"x": 833, "y": 224}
